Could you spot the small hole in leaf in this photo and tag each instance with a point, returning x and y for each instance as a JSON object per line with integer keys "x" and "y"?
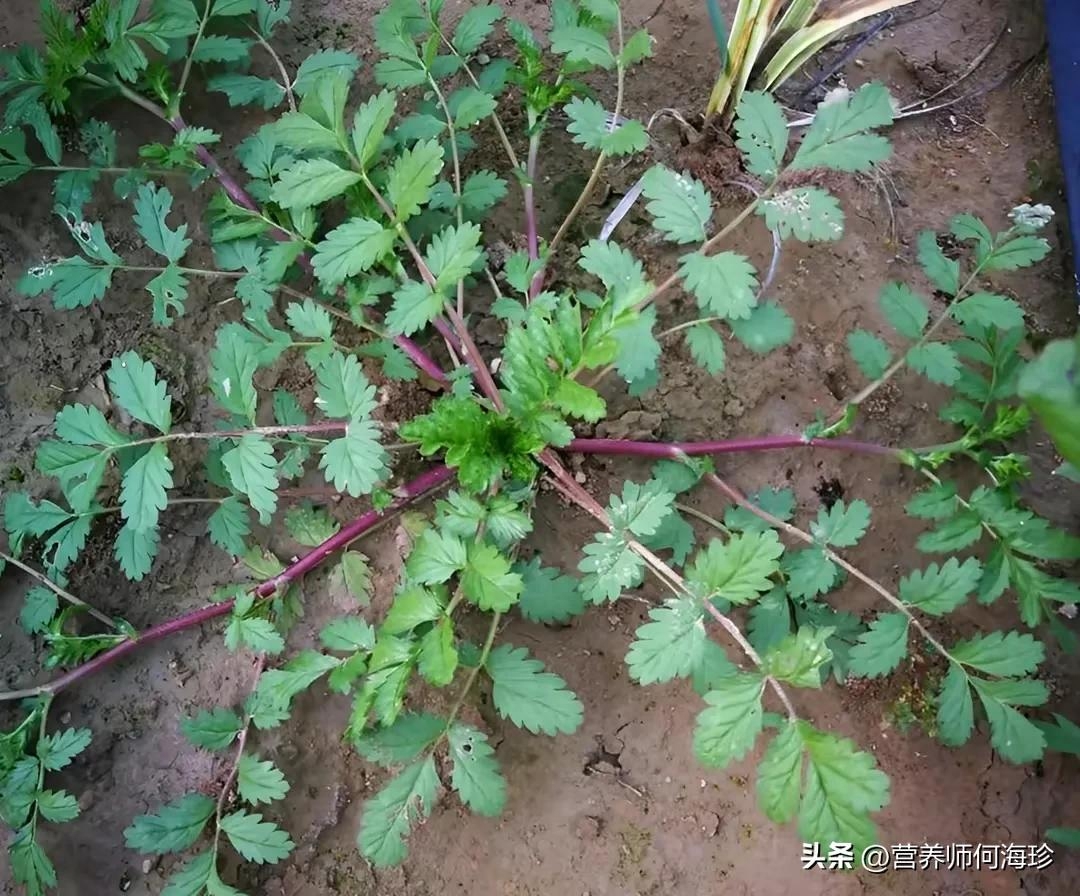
{"x": 466, "y": 748}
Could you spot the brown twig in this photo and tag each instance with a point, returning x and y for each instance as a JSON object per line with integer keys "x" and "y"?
{"x": 60, "y": 592}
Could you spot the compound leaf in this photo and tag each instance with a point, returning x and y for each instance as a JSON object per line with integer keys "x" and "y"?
{"x": 837, "y": 137}
{"x": 56, "y": 751}
{"x": 253, "y": 472}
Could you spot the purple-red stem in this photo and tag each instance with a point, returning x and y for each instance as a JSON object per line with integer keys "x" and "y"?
{"x": 407, "y": 493}
{"x": 239, "y": 195}
{"x": 674, "y": 450}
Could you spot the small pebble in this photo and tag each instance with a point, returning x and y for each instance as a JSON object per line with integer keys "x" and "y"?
{"x": 147, "y": 866}
{"x": 65, "y": 718}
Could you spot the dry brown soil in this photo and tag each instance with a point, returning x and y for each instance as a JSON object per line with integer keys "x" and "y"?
{"x": 621, "y": 807}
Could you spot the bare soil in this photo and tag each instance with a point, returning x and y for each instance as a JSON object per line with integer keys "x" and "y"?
{"x": 621, "y": 807}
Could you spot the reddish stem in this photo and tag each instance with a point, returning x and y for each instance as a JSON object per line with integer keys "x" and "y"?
{"x": 239, "y": 195}
{"x": 675, "y": 450}
{"x": 408, "y": 493}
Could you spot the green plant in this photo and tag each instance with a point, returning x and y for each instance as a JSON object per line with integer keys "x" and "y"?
{"x": 770, "y": 40}
{"x": 355, "y": 208}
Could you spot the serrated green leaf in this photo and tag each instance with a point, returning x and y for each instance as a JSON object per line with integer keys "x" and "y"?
{"x": 955, "y": 534}
{"x": 175, "y": 827}
{"x": 256, "y": 840}
{"x": 310, "y": 525}
{"x": 296, "y": 130}
{"x": 530, "y": 697}
{"x": 233, "y": 363}
{"x": 152, "y": 207}
{"x": 253, "y": 472}
{"x": 435, "y": 557}
{"x": 936, "y": 361}
{"x": 57, "y": 751}
{"x": 342, "y": 389}
{"x": 254, "y": 632}
{"x": 86, "y": 425}
{"x": 452, "y": 254}
{"x": 246, "y": 90}
{"x": 1015, "y": 738}
{"x": 810, "y": 572}
{"x": 487, "y": 580}
{"x": 706, "y": 347}
{"x": 943, "y": 272}
{"x": 956, "y": 712}
{"x": 412, "y": 177}
{"x": 582, "y": 45}
{"x": 143, "y": 491}
{"x": 356, "y": 463}
{"x": 220, "y": 48}
{"x": 1000, "y": 653}
{"x": 984, "y": 309}
{"x": 480, "y": 191}
{"x": 212, "y": 729}
{"x": 260, "y": 781}
{"x": 905, "y": 311}
{"x": 310, "y": 320}
{"x": 770, "y": 620}
{"x": 591, "y": 127}
{"x": 312, "y": 182}
{"x": 438, "y": 656}
{"x": 869, "y": 352}
{"x": 780, "y": 775}
{"x": 767, "y": 328}
{"x": 726, "y": 731}
{"x": 169, "y": 292}
{"x": 724, "y": 284}
{"x": 348, "y": 634}
{"x": 641, "y": 508}
{"x": 469, "y": 105}
{"x": 933, "y": 503}
{"x": 192, "y": 876}
{"x": 350, "y": 249}
{"x": 474, "y": 27}
{"x": 135, "y": 550}
{"x": 669, "y": 646}
{"x": 762, "y": 133}
{"x": 229, "y": 525}
{"x": 475, "y": 774}
{"x": 799, "y": 658}
{"x": 369, "y": 126}
{"x": 880, "y": 649}
{"x": 29, "y": 863}
{"x": 136, "y": 388}
{"x": 1019, "y": 252}
{"x": 320, "y": 64}
{"x": 940, "y": 591}
{"x": 739, "y": 570}
{"x": 57, "y": 806}
{"x": 547, "y": 596}
{"x": 74, "y": 282}
{"x": 778, "y": 502}
{"x": 610, "y": 567}
{"x": 639, "y": 349}
{"x": 39, "y": 607}
{"x": 415, "y": 306}
{"x": 617, "y": 268}
{"x": 842, "y": 787}
{"x": 389, "y": 815}
{"x": 837, "y": 137}
{"x": 810, "y": 214}
{"x": 409, "y": 736}
{"x": 842, "y": 525}
{"x": 680, "y": 205}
